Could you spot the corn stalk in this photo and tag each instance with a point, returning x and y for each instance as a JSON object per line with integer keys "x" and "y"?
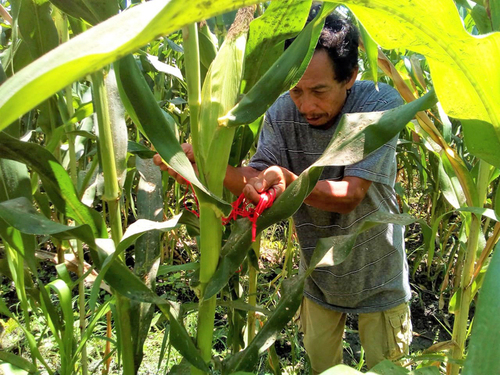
{"x": 112, "y": 197}
{"x": 211, "y": 144}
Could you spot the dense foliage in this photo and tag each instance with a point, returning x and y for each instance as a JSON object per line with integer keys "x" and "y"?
{"x": 91, "y": 90}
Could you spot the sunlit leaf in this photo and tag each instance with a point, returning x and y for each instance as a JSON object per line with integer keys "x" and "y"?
{"x": 55, "y": 179}
{"x": 482, "y": 357}
{"x": 100, "y": 46}
{"x": 463, "y": 67}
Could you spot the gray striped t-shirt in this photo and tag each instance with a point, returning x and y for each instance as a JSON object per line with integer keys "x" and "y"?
{"x": 374, "y": 277}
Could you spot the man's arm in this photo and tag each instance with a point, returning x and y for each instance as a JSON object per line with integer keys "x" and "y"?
{"x": 235, "y": 180}
{"x": 334, "y": 196}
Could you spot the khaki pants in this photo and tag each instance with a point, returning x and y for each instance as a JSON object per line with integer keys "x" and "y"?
{"x": 383, "y": 335}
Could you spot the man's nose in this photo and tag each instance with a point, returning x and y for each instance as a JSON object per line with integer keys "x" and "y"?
{"x": 307, "y": 104}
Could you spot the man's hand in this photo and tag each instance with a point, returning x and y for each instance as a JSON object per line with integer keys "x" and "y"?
{"x": 188, "y": 150}
{"x": 272, "y": 177}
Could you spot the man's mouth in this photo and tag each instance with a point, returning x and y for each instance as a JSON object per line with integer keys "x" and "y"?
{"x": 313, "y": 118}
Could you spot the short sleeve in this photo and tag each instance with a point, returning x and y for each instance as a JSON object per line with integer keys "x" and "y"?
{"x": 268, "y": 148}
{"x": 380, "y": 165}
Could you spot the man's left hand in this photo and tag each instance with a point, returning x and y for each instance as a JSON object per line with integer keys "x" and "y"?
{"x": 272, "y": 177}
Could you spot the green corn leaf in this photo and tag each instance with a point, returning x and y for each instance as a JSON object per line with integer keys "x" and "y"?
{"x": 243, "y": 306}
{"x": 55, "y": 179}
{"x": 336, "y": 249}
{"x": 132, "y": 234}
{"x": 371, "y": 49}
{"x": 154, "y": 124}
{"x": 282, "y": 20}
{"x": 67, "y": 339}
{"x": 357, "y": 135}
{"x": 89, "y": 331}
{"x": 284, "y": 73}
{"x": 92, "y": 11}
{"x": 482, "y": 357}
{"x": 142, "y": 151}
{"x": 17, "y": 361}
{"x": 494, "y": 8}
{"x": 20, "y": 214}
{"x": 98, "y": 47}
{"x": 285, "y": 310}
{"x": 464, "y": 67}
{"x": 14, "y": 180}
{"x": 449, "y": 184}
{"x": 36, "y": 26}
{"x": 480, "y": 16}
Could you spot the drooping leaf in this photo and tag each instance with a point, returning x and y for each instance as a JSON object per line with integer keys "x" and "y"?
{"x": 165, "y": 68}
{"x": 142, "y": 107}
{"x": 482, "y": 357}
{"x": 337, "y": 248}
{"x": 98, "y": 47}
{"x": 463, "y": 67}
{"x": 20, "y": 214}
{"x": 55, "y": 179}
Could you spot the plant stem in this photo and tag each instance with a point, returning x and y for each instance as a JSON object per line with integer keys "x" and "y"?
{"x": 112, "y": 197}
{"x": 462, "y": 314}
{"x": 252, "y": 292}
{"x": 210, "y": 245}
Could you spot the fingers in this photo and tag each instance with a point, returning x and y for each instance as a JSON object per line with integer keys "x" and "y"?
{"x": 272, "y": 177}
{"x": 157, "y": 160}
{"x": 188, "y": 150}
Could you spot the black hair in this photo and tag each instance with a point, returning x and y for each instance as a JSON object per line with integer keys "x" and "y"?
{"x": 339, "y": 38}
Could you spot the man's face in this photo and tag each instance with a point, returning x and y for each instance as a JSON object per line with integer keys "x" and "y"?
{"x": 318, "y": 96}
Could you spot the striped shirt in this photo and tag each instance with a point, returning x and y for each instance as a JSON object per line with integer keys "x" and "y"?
{"x": 374, "y": 276}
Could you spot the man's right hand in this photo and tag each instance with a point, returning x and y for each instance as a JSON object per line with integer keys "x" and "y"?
{"x": 188, "y": 150}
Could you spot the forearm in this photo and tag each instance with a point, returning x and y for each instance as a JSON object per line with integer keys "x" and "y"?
{"x": 337, "y": 196}
{"x": 237, "y": 177}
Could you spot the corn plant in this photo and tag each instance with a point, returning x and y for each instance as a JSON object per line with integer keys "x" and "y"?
{"x": 456, "y": 60}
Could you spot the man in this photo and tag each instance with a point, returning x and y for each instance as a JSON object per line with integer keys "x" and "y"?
{"x": 373, "y": 280}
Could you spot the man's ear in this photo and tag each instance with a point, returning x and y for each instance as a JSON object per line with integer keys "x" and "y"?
{"x": 351, "y": 81}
